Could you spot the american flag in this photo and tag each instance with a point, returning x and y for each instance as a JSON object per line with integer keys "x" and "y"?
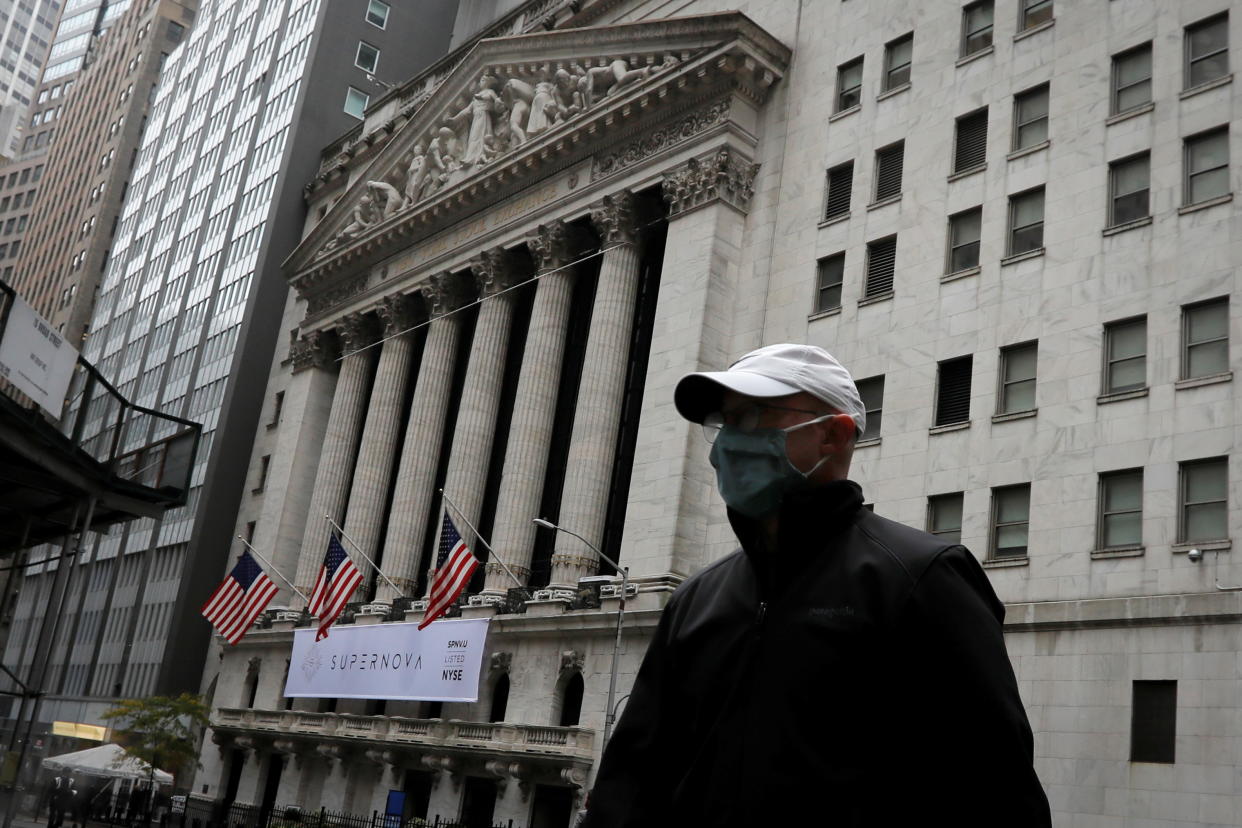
{"x": 454, "y": 566}
{"x": 235, "y": 604}
{"x": 338, "y": 578}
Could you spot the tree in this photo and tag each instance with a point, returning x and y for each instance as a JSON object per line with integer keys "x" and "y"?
{"x": 160, "y": 730}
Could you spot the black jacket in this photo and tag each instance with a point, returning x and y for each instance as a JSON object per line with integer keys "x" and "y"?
{"x": 855, "y": 676}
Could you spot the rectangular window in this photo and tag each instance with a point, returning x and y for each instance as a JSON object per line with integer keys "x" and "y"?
{"x": 970, "y": 144}
{"x": 1120, "y": 517}
{"x": 356, "y": 103}
{"x": 881, "y": 263}
{"x": 1153, "y": 722}
{"x": 888, "y": 168}
{"x": 264, "y": 462}
{"x": 1017, "y": 378}
{"x": 1204, "y": 490}
{"x": 953, "y": 390}
{"x": 849, "y": 84}
{"x": 976, "y": 27}
{"x": 897, "y": 57}
{"x": 1129, "y": 185}
{"x": 1030, "y": 117}
{"x": 1207, "y": 50}
{"x": 1034, "y": 12}
{"x": 829, "y": 274}
{"x": 1011, "y": 515}
{"x": 944, "y": 516}
{"x": 277, "y": 407}
{"x": 871, "y": 390}
{"x": 1132, "y": 78}
{"x": 840, "y": 182}
{"x": 377, "y": 13}
{"x": 1125, "y": 355}
{"x": 367, "y": 58}
{"x": 1205, "y": 339}
{"x": 1026, "y": 221}
{"x": 964, "y": 240}
{"x": 1207, "y": 166}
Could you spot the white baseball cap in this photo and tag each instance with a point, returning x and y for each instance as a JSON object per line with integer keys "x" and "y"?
{"x": 773, "y": 371}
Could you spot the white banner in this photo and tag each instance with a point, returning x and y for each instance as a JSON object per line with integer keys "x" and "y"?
{"x": 390, "y": 661}
{"x": 36, "y": 359}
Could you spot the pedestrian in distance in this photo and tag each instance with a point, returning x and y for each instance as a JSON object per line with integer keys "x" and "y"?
{"x": 60, "y": 799}
{"x": 839, "y": 669}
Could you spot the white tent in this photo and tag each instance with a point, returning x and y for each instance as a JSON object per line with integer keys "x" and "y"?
{"x": 106, "y": 760}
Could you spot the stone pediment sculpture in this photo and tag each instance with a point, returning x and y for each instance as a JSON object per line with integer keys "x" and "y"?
{"x": 517, "y": 104}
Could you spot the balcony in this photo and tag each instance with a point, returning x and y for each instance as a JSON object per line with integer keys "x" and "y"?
{"x": 484, "y": 740}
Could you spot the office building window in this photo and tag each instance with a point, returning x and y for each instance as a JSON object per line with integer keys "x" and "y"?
{"x": 1129, "y": 185}
{"x": 377, "y": 13}
{"x": 871, "y": 390}
{"x": 1026, "y": 221}
{"x": 1132, "y": 78}
{"x": 840, "y": 182}
{"x": 1207, "y": 166}
{"x": 849, "y": 84}
{"x": 1034, "y": 12}
{"x": 1030, "y": 117}
{"x": 356, "y": 103}
{"x": 953, "y": 390}
{"x": 1153, "y": 721}
{"x": 1120, "y": 510}
{"x": 964, "y": 240}
{"x": 1203, "y": 496}
{"x": 970, "y": 144}
{"x": 881, "y": 263}
{"x": 888, "y": 168}
{"x": 1011, "y": 515}
{"x": 1125, "y": 355}
{"x": 944, "y": 516}
{"x": 367, "y": 58}
{"x": 976, "y": 27}
{"x": 829, "y": 273}
{"x": 897, "y": 57}
{"x": 1205, "y": 339}
{"x": 1207, "y": 50}
{"x": 1017, "y": 378}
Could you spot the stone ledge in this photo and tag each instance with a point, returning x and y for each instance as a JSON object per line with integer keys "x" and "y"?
{"x": 844, "y": 113}
{"x": 884, "y": 202}
{"x": 873, "y": 441}
{"x": 1119, "y": 552}
{"x": 947, "y": 427}
{"x": 969, "y": 171}
{"x": 1022, "y": 257}
{"x": 1138, "y": 611}
{"x": 1031, "y": 150}
{"x": 1203, "y": 546}
{"x": 1142, "y": 109}
{"x": 831, "y": 220}
{"x": 1203, "y": 205}
{"x": 871, "y": 300}
{"x": 1006, "y": 563}
{"x": 824, "y": 314}
{"x": 973, "y": 56}
{"x": 1034, "y": 30}
{"x": 896, "y": 90}
{"x": 1118, "y": 396}
{"x": 1205, "y": 86}
{"x": 1195, "y": 382}
{"x": 961, "y": 274}
{"x": 1124, "y": 226}
{"x": 1015, "y": 415}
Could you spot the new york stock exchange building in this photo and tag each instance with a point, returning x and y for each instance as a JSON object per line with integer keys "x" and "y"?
{"x": 507, "y": 267}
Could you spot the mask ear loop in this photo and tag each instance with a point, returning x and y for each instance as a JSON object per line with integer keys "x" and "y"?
{"x": 822, "y": 460}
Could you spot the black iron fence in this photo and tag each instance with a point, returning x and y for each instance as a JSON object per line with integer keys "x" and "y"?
{"x": 202, "y": 814}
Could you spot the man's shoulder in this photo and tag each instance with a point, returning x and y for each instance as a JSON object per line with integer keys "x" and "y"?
{"x": 912, "y": 550}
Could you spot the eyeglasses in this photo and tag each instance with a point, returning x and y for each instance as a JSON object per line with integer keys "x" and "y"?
{"x": 747, "y": 419}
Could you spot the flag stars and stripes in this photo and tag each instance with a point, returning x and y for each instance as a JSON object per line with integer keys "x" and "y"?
{"x": 338, "y": 578}
{"x": 454, "y": 566}
{"x": 239, "y": 599}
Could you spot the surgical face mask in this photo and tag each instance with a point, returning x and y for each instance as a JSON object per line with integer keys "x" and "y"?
{"x": 753, "y": 472}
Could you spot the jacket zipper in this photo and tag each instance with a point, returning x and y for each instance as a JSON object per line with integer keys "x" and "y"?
{"x": 761, "y": 617}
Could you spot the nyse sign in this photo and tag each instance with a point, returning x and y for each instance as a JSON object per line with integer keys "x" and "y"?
{"x": 390, "y": 661}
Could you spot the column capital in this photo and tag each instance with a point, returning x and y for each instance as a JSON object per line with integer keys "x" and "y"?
{"x": 311, "y": 350}
{"x": 492, "y": 271}
{"x": 444, "y": 293}
{"x": 722, "y": 176}
{"x": 614, "y": 217}
{"x": 549, "y": 245}
{"x": 396, "y": 314}
{"x": 356, "y": 331}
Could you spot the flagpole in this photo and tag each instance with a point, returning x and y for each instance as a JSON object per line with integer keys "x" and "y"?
{"x": 396, "y": 589}
{"x": 479, "y": 537}
{"x": 274, "y": 569}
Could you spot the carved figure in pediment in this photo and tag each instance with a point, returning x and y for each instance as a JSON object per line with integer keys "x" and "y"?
{"x": 616, "y": 75}
{"x": 517, "y": 96}
{"x": 481, "y": 115}
{"x": 568, "y": 96}
{"x": 544, "y": 109}
{"x": 441, "y": 161}
{"x": 415, "y": 174}
{"x": 384, "y": 193}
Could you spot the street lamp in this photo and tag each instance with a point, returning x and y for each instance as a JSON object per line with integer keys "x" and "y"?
{"x": 616, "y": 647}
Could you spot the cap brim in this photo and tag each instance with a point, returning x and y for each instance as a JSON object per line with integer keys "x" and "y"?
{"x": 697, "y": 395}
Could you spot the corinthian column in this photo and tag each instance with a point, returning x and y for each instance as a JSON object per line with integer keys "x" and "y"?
{"x": 416, "y": 473}
{"x": 534, "y": 407}
{"x": 593, "y": 442}
{"x": 382, "y": 431}
{"x": 337, "y": 457}
{"x": 480, "y": 394}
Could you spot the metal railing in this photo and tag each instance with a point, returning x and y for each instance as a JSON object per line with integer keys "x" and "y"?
{"x": 134, "y": 443}
{"x": 208, "y": 814}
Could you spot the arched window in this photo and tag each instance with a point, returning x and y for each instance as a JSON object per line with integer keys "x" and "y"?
{"x": 500, "y": 699}
{"x": 571, "y": 701}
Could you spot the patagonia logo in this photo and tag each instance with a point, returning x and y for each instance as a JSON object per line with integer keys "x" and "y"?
{"x": 829, "y": 613}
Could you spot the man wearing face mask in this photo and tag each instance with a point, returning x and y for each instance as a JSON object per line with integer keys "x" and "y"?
{"x": 839, "y": 669}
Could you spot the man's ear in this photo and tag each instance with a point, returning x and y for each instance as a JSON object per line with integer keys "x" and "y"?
{"x": 840, "y": 430}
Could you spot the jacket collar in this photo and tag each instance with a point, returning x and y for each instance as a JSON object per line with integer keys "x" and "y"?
{"x": 810, "y": 520}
